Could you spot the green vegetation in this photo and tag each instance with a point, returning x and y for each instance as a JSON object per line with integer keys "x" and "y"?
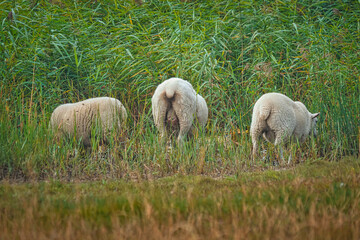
{"x": 315, "y": 200}
{"x": 55, "y": 52}
{"x": 61, "y": 51}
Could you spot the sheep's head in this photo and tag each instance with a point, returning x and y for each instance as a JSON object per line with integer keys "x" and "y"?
{"x": 314, "y": 120}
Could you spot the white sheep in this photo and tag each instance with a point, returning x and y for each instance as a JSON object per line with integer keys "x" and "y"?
{"x": 177, "y": 107}
{"x": 78, "y": 119}
{"x": 280, "y": 120}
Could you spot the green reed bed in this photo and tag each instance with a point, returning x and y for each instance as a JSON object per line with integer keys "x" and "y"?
{"x": 232, "y": 52}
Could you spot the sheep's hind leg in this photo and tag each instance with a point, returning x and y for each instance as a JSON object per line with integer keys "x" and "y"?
{"x": 185, "y": 115}
{"x": 255, "y": 148}
{"x": 183, "y": 132}
{"x": 161, "y": 124}
{"x": 255, "y": 135}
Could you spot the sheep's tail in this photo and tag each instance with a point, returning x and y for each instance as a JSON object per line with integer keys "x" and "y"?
{"x": 169, "y": 93}
{"x": 170, "y": 89}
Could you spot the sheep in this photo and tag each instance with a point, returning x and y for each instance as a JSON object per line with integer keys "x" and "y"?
{"x": 177, "y": 107}
{"x": 78, "y": 119}
{"x": 280, "y": 120}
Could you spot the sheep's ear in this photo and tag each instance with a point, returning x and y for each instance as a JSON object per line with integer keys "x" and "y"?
{"x": 314, "y": 115}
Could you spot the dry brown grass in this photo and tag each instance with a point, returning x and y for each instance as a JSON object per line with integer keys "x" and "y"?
{"x": 264, "y": 223}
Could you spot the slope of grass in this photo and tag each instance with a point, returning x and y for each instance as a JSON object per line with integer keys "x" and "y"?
{"x": 55, "y": 52}
{"x": 317, "y": 200}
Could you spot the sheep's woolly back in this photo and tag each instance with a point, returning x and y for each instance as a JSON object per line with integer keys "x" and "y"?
{"x": 175, "y": 98}
{"x": 77, "y": 119}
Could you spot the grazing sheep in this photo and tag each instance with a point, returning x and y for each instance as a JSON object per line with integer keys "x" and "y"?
{"x": 279, "y": 119}
{"x": 77, "y": 119}
{"x": 176, "y": 105}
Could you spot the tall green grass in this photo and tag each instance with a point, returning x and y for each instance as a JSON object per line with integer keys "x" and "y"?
{"x": 232, "y": 52}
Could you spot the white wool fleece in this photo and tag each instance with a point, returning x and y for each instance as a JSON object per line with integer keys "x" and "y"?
{"x": 81, "y": 116}
{"x": 176, "y": 103}
{"x": 279, "y": 119}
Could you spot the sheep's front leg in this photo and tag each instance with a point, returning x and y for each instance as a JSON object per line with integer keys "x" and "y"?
{"x": 281, "y": 153}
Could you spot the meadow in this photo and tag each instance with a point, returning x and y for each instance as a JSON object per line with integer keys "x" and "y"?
{"x": 316, "y": 200}
{"x": 232, "y": 52}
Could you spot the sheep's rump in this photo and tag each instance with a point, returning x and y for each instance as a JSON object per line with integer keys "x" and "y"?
{"x": 78, "y": 119}
{"x": 175, "y": 105}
